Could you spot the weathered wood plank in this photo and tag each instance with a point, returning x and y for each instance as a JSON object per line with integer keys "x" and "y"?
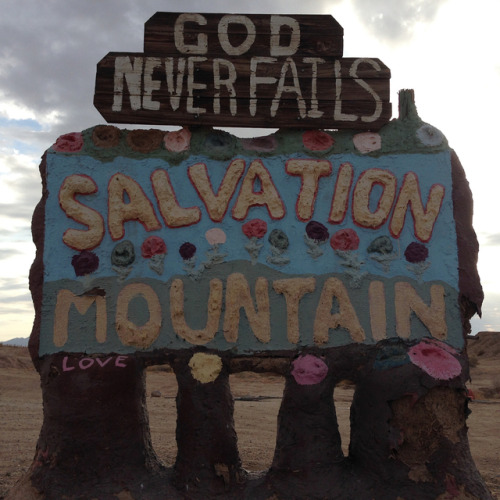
{"x": 335, "y": 114}
{"x": 317, "y": 35}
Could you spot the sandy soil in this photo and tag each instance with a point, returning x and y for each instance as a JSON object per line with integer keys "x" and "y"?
{"x": 257, "y": 400}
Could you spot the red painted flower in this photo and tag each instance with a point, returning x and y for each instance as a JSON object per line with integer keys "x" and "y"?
{"x": 317, "y": 140}
{"x": 69, "y": 143}
{"x": 255, "y": 227}
{"x": 153, "y": 245}
{"x": 345, "y": 239}
{"x": 436, "y": 362}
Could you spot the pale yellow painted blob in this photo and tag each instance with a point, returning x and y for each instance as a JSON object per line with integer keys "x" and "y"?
{"x": 205, "y": 367}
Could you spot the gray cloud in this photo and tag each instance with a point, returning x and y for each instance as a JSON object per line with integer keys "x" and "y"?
{"x": 49, "y": 58}
{"x": 492, "y": 239}
{"x": 394, "y": 20}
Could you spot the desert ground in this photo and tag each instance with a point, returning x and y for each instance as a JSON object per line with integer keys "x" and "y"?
{"x": 257, "y": 400}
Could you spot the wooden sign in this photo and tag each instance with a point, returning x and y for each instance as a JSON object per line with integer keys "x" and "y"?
{"x": 243, "y": 70}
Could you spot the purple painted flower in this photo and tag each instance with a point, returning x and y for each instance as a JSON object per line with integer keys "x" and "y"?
{"x": 317, "y": 231}
{"x": 264, "y": 144}
{"x": 187, "y": 250}
{"x": 416, "y": 252}
{"x": 85, "y": 262}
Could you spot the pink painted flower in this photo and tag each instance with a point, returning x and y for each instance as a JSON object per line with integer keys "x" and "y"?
{"x": 215, "y": 236}
{"x": 178, "y": 141}
{"x": 317, "y": 140}
{"x": 435, "y": 361}
{"x": 309, "y": 370}
{"x": 255, "y": 228}
{"x": 366, "y": 142}
{"x": 153, "y": 245}
{"x": 69, "y": 143}
{"x": 264, "y": 144}
{"x": 345, "y": 239}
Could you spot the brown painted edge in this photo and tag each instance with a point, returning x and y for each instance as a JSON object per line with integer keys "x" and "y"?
{"x": 469, "y": 284}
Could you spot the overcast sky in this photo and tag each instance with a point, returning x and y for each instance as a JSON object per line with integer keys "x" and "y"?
{"x": 446, "y": 50}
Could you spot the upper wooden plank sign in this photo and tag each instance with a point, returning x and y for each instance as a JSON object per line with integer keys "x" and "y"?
{"x": 240, "y": 70}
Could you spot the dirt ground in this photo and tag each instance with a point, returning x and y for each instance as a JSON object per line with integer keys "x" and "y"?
{"x": 257, "y": 400}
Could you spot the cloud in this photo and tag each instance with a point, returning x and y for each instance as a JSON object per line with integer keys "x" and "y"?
{"x": 394, "y": 20}
{"x": 491, "y": 239}
{"x": 55, "y": 82}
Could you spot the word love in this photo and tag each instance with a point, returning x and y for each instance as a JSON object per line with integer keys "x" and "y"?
{"x": 70, "y": 364}
{"x": 374, "y": 198}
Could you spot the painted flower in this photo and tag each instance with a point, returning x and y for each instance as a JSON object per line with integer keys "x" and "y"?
{"x": 317, "y": 231}
{"x": 215, "y": 236}
{"x": 279, "y": 239}
{"x": 187, "y": 250}
{"x": 279, "y": 243}
{"x": 317, "y": 140}
{"x": 256, "y": 228}
{"x": 265, "y": 144}
{"x": 178, "y": 141}
{"x": 440, "y": 344}
{"x": 154, "y": 249}
{"x": 381, "y": 245}
{"x": 435, "y": 361}
{"x": 366, "y": 142}
{"x": 345, "y": 239}
{"x": 69, "y": 143}
{"x": 381, "y": 250}
{"x": 416, "y": 252}
{"x": 429, "y": 135}
{"x": 309, "y": 370}
{"x": 123, "y": 254}
{"x": 144, "y": 141}
{"x": 220, "y": 145}
{"x": 106, "y": 136}
{"x": 84, "y": 263}
{"x": 205, "y": 368}
{"x": 153, "y": 245}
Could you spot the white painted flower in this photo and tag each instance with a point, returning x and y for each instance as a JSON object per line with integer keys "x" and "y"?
{"x": 366, "y": 142}
{"x": 215, "y": 236}
{"x": 429, "y": 135}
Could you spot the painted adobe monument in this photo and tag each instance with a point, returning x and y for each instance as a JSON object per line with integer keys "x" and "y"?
{"x": 339, "y": 247}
